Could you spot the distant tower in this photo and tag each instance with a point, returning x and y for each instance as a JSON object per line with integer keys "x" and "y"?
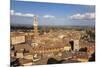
{"x": 44, "y": 29}
{"x": 35, "y": 24}
{"x": 74, "y": 45}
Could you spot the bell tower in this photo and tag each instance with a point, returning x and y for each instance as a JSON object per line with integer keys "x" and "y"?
{"x": 35, "y": 24}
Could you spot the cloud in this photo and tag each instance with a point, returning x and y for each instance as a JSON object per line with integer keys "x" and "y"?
{"x": 29, "y": 15}
{"x": 85, "y": 16}
{"x": 12, "y": 12}
{"x": 18, "y": 14}
{"x": 48, "y": 16}
{"x": 21, "y": 14}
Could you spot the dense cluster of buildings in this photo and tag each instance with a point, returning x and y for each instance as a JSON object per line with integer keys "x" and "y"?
{"x": 30, "y": 48}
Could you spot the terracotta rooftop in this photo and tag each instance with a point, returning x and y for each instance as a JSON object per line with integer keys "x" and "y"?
{"x": 23, "y": 46}
{"x": 14, "y": 34}
{"x": 24, "y": 61}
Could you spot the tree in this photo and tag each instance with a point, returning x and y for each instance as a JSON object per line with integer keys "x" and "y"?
{"x": 92, "y": 58}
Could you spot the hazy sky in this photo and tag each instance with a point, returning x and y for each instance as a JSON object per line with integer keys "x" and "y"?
{"x": 52, "y": 14}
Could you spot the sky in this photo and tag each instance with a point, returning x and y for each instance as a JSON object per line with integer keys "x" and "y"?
{"x": 22, "y": 13}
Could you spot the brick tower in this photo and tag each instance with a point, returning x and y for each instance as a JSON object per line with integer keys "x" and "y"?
{"x": 35, "y": 24}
